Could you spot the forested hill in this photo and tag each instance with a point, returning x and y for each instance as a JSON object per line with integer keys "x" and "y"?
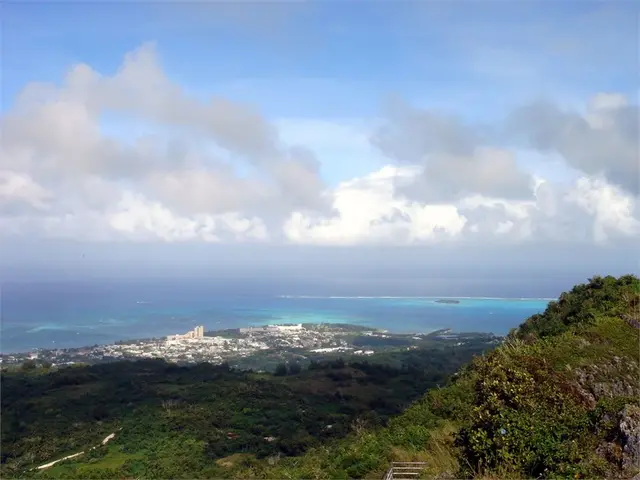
{"x": 559, "y": 398}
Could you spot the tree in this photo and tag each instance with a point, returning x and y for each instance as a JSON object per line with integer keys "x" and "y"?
{"x": 314, "y": 365}
{"x": 339, "y": 363}
{"x": 29, "y": 365}
{"x": 295, "y": 368}
{"x": 281, "y": 370}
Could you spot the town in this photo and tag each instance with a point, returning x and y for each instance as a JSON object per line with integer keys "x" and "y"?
{"x": 252, "y": 347}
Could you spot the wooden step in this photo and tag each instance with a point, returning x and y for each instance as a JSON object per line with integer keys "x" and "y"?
{"x": 405, "y": 470}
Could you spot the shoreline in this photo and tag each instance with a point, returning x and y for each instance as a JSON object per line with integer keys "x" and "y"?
{"x": 208, "y": 334}
{"x": 386, "y": 297}
{"x": 432, "y": 315}
{"x": 266, "y": 344}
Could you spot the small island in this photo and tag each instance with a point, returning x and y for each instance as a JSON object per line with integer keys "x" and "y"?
{"x": 447, "y": 300}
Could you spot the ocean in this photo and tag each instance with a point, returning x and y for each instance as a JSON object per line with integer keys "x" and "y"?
{"x": 77, "y": 314}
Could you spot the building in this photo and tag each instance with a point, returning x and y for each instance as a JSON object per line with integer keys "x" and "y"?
{"x": 289, "y": 328}
{"x": 273, "y": 328}
{"x": 197, "y": 332}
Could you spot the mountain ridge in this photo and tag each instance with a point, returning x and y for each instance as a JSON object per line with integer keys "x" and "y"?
{"x": 558, "y": 399}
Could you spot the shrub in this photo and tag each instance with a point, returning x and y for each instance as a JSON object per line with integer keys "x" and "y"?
{"x": 522, "y": 419}
{"x": 281, "y": 370}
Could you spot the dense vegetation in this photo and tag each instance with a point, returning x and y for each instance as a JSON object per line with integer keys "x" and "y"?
{"x": 583, "y": 306}
{"x": 174, "y": 421}
{"x": 558, "y": 399}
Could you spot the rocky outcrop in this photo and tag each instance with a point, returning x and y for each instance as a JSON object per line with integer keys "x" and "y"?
{"x": 617, "y": 378}
{"x": 630, "y": 433}
{"x": 633, "y": 321}
{"x": 622, "y": 450}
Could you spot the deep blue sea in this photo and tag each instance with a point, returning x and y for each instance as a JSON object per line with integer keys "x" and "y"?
{"x": 79, "y": 314}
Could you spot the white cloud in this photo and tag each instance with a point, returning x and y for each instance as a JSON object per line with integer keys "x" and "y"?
{"x": 54, "y": 134}
{"x": 141, "y": 220}
{"x": 369, "y": 210}
{"x": 19, "y": 191}
{"x": 603, "y": 141}
{"x": 457, "y": 158}
{"x": 612, "y": 212}
{"x": 225, "y": 173}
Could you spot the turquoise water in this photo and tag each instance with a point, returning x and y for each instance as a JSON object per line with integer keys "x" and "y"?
{"x": 62, "y": 318}
{"x": 405, "y": 314}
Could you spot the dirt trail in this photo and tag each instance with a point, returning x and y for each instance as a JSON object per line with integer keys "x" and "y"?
{"x": 106, "y": 440}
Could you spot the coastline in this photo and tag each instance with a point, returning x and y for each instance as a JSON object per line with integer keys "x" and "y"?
{"x": 268, "y": 344}
{"x": 415, "y": 297}
{"x": 151, "y": 318}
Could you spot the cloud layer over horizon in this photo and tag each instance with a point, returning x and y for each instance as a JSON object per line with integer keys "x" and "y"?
{"x": 135, "y": 154}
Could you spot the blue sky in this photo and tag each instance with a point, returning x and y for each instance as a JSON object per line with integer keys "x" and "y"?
{"x": 338, "y": 58}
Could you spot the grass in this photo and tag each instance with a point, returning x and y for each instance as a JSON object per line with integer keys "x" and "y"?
{"x": 112, "y": 460}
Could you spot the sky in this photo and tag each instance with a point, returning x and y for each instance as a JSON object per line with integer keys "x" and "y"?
{"x": 319, "y": 134}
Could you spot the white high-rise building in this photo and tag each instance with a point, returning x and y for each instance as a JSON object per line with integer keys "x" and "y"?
{"x": 197, "y": 332}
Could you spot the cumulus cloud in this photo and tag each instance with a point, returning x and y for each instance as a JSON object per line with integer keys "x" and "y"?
{"x": 456, "y": 157}
{"x": 218, "y": 171}
{"x": 20, "y": 193}
{"x": 370, "y": 210}
{"x": 141, "y": 220}
{"x": 601, "y": 141}
{"x": 612, "y": 212}
{"x": 54, "y": 133}
{"x": 408, "y": 134}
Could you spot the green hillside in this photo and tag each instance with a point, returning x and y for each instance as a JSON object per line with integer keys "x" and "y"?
{"x": 559, "y": 399}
